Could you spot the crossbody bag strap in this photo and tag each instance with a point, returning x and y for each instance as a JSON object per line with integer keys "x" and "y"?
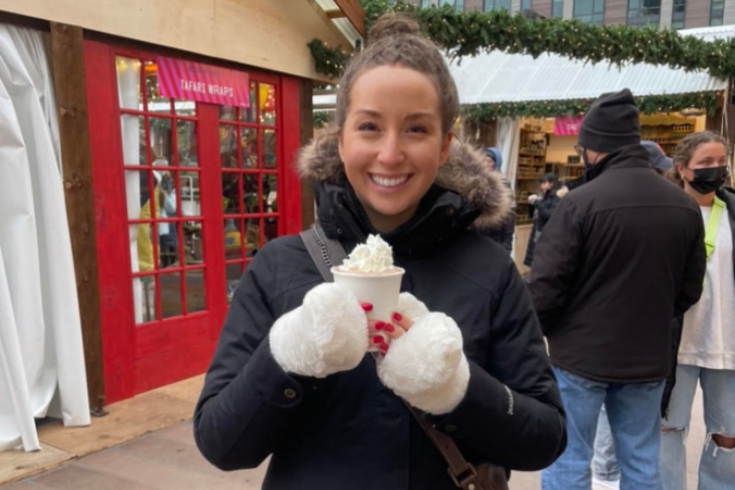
{"x": 325, "y": 253}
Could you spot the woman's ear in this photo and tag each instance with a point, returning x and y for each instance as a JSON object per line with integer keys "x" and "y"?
{"x": 446, "y": 146}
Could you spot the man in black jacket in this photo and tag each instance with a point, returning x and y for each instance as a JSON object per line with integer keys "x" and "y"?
{"x": 610, "y": 243}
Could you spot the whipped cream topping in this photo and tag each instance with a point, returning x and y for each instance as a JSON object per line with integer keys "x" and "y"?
{"x": 373, "y": 256}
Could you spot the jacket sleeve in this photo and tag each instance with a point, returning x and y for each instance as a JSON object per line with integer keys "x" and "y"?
{"x": 545, "y": 207}
{"x": 696, "y": 268}
{"x": 512, "y": 412}
{"x": 555, "y": 262}
{"x": 248, "y": 403}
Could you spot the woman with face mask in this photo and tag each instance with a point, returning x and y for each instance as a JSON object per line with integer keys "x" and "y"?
{"x": 706, "y": 353}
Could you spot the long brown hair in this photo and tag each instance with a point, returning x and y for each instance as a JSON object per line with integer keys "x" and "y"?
{"x": 396, "y": 40}
{"x": 685, "y": 151}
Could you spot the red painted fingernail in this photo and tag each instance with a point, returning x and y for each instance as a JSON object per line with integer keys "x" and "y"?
{"x": 367, "y": 306}
{"x": 397, "y": 317}
{"x": 378, "y": 339}
{"x": 379, "y": 325}
{"x": 389, "y": 328}
{"x": 384, "y": 347}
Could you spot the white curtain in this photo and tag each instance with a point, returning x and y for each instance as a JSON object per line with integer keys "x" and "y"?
{"x": 508, "y": 140}
{"x": 41, "y": 353}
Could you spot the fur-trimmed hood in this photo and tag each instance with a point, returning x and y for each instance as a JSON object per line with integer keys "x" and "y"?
{"x": 465, "y": 173}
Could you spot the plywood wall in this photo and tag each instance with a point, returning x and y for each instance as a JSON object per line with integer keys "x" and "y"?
{"x": 270, "y": 34}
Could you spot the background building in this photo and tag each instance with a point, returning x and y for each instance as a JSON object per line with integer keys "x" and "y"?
{"x": 679, "y": 14}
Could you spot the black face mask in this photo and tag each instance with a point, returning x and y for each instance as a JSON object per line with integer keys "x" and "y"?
{"x": 708, "y": 180}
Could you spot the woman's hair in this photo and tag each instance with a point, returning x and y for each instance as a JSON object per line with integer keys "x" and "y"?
{"x": 550, "y": 177}
{"x": 685, "y": 151}
{"x": 396, "y": 40}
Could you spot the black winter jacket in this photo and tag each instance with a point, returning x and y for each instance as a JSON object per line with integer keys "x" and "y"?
{"x": 621, "y": 256}
{"x": 347, "y": 430}
{"x": 543, "y": 209}
{"x": 728, "y": 196}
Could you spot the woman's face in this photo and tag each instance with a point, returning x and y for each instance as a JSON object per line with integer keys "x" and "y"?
{"x": 707, "y": 155}
{"x": 545, "y": 186}
{"x": 392, "y": 143}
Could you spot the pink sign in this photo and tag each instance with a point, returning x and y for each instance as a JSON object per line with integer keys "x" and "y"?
{"x": 187, "y": 80}
{"x": 567, "y": 126}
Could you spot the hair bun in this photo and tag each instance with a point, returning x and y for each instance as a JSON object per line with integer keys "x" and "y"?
{"x": 389, "y": 25}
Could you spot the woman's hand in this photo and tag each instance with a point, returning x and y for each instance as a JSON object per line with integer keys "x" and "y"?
{"x": 325, "y": 335}
{"x": 424, "y": 364}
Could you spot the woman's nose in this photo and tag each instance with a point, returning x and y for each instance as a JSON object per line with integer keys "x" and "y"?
{"x": 391, "y": 151}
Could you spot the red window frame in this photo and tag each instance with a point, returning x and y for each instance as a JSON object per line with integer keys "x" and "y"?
{"x": 143, "y": 357}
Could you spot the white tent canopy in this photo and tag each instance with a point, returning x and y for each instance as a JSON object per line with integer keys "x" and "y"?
{"x": 495, "y": 76}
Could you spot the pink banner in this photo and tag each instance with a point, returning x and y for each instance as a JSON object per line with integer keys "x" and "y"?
{"x": 187, "y": 80}
{"x": 567, "y": 126}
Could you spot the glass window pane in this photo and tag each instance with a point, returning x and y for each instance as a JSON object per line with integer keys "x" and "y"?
{"x": 141, "y": 237}
{"x": 267, "y": 104}
{"x": 137, "y": 185}
{"x": 250, "y": 196}
{"x": 161, "y": 141}
{"x": 128, "y": 83}
{"x": 270, "y": 157}
{"x": 233, "y": 273}
{"x": 196, "y": 298}
{"x": 171, "y": 295}
{"x": 193, "y": 245}
{"x": 168, "y": 244}
{"x": 252, "y": 236}
{"x": 186, "y": 108}
{"x": 166, "y": 205}
{"x": 227, "y": 113}
{"x": 187, "y": 142}
{"x": 144, "y": 299}
{"x": 231, "y": 193}
{"x": 156, "y": 103}
{"x": 191, "y": 204}
{"x": 249, "y": 139}
{"x": 133, "y": 139}
{"x": 228, "y": 146}
{"x": 270, "y": 193}
{"x": 233, "y": 239}
{"x": 249, "y": 114}
{"x": 270, "y": 229}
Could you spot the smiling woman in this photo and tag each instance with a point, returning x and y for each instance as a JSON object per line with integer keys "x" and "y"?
{"x": 292, "y": 356}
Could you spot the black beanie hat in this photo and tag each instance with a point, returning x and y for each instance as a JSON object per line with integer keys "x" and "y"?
{"x": 613, "y": 121}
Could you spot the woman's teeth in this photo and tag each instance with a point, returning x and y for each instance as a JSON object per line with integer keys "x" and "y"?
{"x": 389, "y": 182}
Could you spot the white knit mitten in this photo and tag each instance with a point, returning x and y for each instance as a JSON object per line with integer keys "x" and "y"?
{"x": 426, "y": 366}
{"x": 327, "y": 334}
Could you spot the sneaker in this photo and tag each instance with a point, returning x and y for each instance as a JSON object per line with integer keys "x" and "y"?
{"x": 605, "y": 484}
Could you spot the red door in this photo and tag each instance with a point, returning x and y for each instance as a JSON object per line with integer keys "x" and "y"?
{"x": 185, "y": 194}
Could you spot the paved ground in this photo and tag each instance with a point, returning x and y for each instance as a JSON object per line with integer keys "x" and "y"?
{"x": 169, "y": 460}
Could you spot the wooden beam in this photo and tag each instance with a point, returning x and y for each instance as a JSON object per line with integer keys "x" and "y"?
{"x": 335, "y": 14}
{"x": 354, "y": 11}
{"x": 307, "y": 134}
{"x": 67, "y": 59}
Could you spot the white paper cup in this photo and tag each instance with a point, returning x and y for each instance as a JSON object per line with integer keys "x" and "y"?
{"x": 379, "y": 289}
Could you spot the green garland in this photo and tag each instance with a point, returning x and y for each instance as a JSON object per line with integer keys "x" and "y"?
{"x": 321, "y": 119}
{"x": 651, "y": 104}
{"x": 470, "y": 33}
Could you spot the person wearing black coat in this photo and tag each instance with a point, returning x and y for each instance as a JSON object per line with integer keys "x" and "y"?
{"x": 502, "y": 233}
{"x": 291, "y": 378}
{"x": 624, "y": 233}
{"x": 542, "y": 208}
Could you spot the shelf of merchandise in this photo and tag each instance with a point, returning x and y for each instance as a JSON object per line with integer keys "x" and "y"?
{"x": 532, "y": 165}
{"x": 667, "y": 136}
